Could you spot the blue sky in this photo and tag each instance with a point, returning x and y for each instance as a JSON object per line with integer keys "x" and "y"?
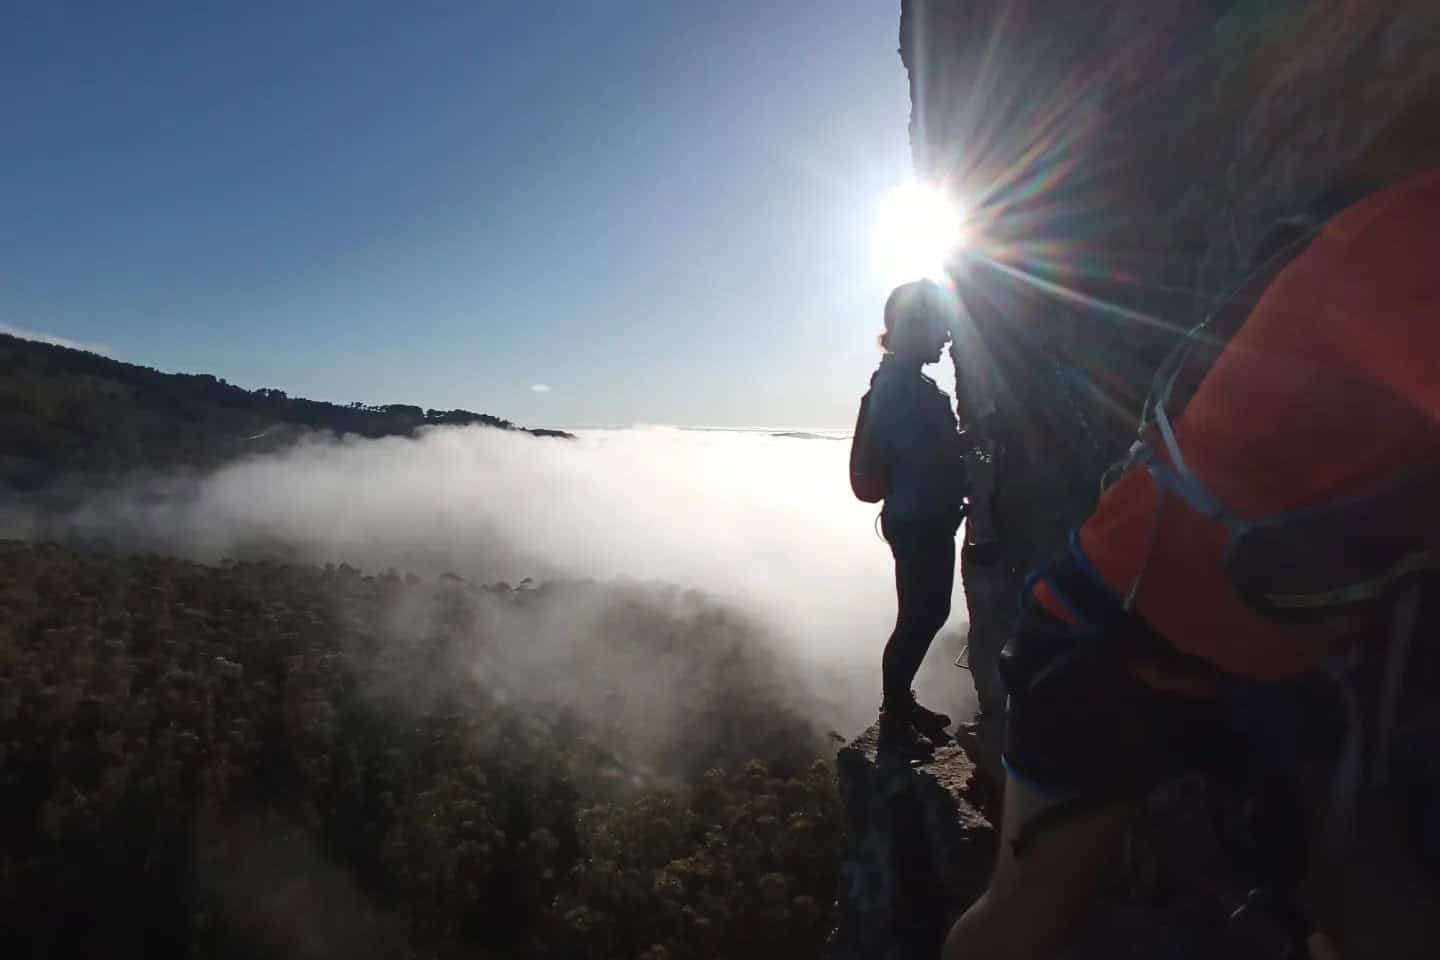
{"x": 662, "y": 210}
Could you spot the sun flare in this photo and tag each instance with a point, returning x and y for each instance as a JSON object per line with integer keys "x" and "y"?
{"x": 917, "y": 228}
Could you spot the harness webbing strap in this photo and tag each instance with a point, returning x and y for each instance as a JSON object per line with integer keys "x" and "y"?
{"x": 1177, "y": 477}
{"x": 1349, "y": 767}
{"x": 1113, "y": 630}
{"x": 1397, "y": 657}
{"x": 1349, "y": 780}
{"x": 1215, "y": 331}
{"x": 1423, "y": 561}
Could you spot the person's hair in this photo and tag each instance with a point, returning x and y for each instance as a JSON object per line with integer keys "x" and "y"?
{"x": 909, "y": 303}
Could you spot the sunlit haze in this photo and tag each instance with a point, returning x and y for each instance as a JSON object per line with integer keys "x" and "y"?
{"x": 767, "y": 522}
{"x": 918, "y": 227}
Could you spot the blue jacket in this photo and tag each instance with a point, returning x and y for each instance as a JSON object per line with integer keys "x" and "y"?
{"x": 914, "y": 430}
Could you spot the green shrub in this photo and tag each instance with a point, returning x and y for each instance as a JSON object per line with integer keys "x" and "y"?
{"x": 264, "y": 760}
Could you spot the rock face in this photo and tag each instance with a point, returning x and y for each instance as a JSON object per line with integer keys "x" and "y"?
{"x": 1122, "y": 160}
{"x": 920, "y": 846}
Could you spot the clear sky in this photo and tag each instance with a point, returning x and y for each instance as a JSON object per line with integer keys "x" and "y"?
{"x": 661, "y": 209}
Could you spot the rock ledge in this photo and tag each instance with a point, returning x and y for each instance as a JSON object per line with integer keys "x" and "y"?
{"x": 920, "y": 847}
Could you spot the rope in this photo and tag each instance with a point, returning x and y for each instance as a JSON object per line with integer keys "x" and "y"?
{"x": 1397, "y": 657}
{"x": 1066, "y": 372}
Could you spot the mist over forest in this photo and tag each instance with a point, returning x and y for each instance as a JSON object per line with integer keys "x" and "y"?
{"x": 453, "y": 687}
{"x": 758, "y": 521}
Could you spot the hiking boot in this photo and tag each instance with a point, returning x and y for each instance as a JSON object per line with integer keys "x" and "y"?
{"x": 925, "y": 719}
{"x": 899, "y": 738}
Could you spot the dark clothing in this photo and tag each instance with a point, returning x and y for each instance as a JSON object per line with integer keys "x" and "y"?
{"x": 914, "y": 430}
{"x": 924, "y": 553}
{"x": 1081, "y": 724}
{"x": 1078, "y": 724}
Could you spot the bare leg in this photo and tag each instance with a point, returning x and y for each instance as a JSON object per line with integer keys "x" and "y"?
{"x": 1035, "y": 902}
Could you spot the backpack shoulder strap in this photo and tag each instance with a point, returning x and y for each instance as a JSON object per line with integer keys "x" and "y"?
{"x": 1180, "y": 374}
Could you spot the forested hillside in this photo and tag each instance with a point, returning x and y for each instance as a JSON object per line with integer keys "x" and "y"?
{"x": 259, "y": 760}
{"x": 66, "y": 413}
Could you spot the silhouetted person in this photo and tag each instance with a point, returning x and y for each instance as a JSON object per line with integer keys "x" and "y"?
{"x": 911, "y": 430}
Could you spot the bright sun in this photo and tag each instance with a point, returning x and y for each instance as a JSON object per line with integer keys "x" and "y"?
{"x": 917, "y": 228}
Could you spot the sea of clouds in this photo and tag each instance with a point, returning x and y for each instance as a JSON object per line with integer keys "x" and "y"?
{"x": 763, "y": 520}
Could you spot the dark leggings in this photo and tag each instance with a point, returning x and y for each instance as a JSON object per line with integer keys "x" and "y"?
{"x": 924, "y": 579}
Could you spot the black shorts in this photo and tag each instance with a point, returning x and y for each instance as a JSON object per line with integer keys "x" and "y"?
{"x": 1079, "y": 724}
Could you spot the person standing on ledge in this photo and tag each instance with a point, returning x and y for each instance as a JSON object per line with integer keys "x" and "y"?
{"x": 907, "y": 450}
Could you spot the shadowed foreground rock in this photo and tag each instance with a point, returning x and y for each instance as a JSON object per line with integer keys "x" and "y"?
{"x": 920, "y": 848}
{"x": 921, "y": 842}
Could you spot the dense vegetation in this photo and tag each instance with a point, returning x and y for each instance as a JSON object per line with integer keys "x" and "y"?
{"x": 260, "y": 760}
{"x": 65, "y": 412}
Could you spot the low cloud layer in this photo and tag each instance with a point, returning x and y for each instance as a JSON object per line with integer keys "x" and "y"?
{"x": 766, "y": 522}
